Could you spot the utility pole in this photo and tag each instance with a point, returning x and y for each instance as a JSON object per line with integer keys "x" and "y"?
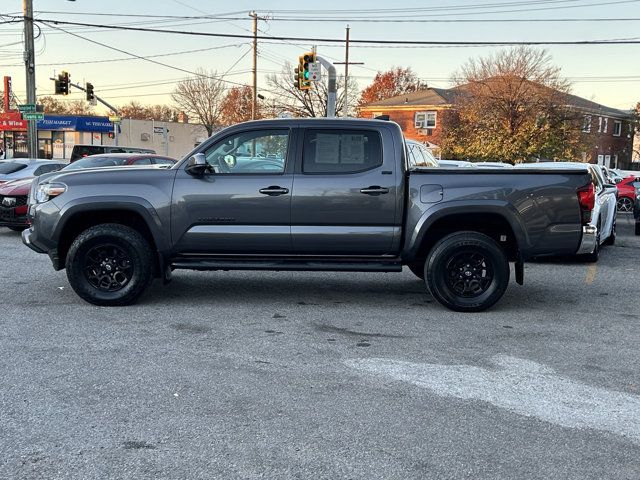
{"x": 30, "y": 71}
{"x": 254, "y": 95}
{"x": 346, "y": 64}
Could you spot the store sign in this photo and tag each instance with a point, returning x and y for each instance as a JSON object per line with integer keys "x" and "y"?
{"x": 12, "y": 121}
{"x": 78, "y": 124}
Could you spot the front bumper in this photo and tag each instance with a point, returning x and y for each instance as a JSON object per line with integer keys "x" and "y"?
{"x": 589, "y": 239}
{"x": 27, "y": 236}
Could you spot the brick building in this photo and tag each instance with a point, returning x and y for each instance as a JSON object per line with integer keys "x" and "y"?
{"x": 419, "y": 114}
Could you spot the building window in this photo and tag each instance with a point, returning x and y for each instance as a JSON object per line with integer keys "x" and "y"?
{"x": 425, "y": 119}
{"x": 605, "y": 125}
{"x": 617, "y": 128}
{"x": 586, "y": 124}
{"x": 599, "y": 124}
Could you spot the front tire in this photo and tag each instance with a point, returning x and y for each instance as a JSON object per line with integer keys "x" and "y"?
{"x": 17, "y": 229}
{"x": 110, "y": 265}
{"x": 467, "y": 272}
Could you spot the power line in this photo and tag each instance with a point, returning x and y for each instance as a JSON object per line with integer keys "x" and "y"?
{"x": 123, "y": 59}
{"x": 197, "y": 74}
{"x": 355, "y": 19}
{"x": 632, "y": 41}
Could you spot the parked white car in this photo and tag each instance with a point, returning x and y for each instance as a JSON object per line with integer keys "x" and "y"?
{"x": 603, "y": 215}
{"x": 418, "y": 155}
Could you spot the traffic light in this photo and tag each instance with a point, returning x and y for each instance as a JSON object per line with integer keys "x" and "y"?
{"x": 304, "y": 76}
{"x": 90, "y": 95}
{"x": 62, "y": 84}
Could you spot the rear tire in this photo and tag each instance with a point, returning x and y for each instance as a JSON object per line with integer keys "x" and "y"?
{"x": 110, "y": 265}
{"x": 593, "y": 256}
{"x": 467, "y": 272}
{"x": 611, "y": 239}
{"x": 637, "y": 227}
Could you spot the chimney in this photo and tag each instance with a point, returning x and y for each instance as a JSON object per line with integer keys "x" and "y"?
{"x": 183, "y": 118}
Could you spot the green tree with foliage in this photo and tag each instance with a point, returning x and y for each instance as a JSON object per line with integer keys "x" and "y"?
{"x": 513, "y": 106}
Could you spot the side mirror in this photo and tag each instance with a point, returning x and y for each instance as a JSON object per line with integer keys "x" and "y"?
{"x": 197, "y": 165}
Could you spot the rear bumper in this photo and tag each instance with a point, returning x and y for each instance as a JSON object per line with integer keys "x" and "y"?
{"x": 589, "y": 239}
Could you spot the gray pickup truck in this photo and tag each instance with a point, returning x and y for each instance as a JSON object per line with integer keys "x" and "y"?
{"x": 307, "y": 194}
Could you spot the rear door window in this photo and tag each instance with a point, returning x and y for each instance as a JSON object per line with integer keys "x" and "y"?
{"x": 341, "y": 151}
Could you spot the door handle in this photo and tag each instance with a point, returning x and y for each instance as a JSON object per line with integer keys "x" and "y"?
{"x": 374, "y": 190}
{"x": 274, "y": 191}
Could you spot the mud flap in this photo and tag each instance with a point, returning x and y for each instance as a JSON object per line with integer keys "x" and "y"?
{"x": 519, "y": 267}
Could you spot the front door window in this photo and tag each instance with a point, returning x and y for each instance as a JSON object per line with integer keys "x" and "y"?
{"x": 253, "y": 152}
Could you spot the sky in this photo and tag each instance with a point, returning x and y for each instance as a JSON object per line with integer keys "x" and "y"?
{"x": 607, "y": 74}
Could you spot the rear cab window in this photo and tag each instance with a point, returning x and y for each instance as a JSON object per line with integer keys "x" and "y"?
{"x": 328, "y": 151}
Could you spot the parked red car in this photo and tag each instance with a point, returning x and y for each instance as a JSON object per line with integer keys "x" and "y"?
{"x": 627, "y": 193}
{"x": 13, "y": 204}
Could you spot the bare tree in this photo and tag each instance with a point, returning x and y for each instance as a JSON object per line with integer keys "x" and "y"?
{"x": 309, "y": 103}
{"x": 201, "y": 98}
{"x": 79, "y": 107}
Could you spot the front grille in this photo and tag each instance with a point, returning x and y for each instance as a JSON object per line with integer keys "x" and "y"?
{"x": 21, "y": 200}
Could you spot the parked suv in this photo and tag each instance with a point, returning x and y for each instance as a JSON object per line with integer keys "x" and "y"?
{"x": 80, "y": 151}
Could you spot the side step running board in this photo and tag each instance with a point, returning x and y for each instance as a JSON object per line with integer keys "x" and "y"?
{"x": 287, "y": 264}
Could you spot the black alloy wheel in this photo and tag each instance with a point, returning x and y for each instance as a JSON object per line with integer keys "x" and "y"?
{"x": 467, "y": 271}
{"x": 110, "y": 265}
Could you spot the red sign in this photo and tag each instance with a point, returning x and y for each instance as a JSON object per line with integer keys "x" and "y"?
{"x": 7, "y": 94}
{"x": 12, "y": 121}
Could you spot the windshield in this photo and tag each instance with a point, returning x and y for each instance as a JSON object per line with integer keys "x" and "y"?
{"x": 95, "y": 162}
{"x": 11, "y": 167}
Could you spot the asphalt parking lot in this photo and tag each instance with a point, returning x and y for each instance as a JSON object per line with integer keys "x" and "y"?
{"x": 322, "y": 376}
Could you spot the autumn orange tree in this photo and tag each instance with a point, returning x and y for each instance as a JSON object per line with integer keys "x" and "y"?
{"x": 513, "y": 106}
{"x": 396, "y": 81}
{"x": 236, "y": 106}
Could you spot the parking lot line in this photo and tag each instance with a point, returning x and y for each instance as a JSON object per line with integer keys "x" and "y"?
{"x": 591, "y": 274}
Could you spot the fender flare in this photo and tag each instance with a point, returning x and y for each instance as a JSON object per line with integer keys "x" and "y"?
{"x": 105, "y": 203}
{"x": 441, "y": 210}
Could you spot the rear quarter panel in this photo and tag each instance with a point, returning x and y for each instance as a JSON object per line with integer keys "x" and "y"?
{"x": 540, "y": 206}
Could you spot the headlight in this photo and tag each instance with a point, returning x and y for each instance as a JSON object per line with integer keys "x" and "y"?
{"x": 47, "y": 191}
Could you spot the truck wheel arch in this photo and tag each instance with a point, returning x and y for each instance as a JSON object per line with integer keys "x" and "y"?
{"x": 493, "y": 220}
{"x": 77, "y": 218}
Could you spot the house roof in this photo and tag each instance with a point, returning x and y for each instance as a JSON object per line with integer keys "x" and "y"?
{"x": 429, "y": 96}
{"x": 448, "y": 96}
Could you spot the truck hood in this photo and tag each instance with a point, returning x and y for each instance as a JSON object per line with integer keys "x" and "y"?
{"x": 105, "y": 175}
{"x": 17, "y": 187}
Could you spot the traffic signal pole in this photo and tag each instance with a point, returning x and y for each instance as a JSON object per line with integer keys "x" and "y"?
{"x": 332, "y": 86}
{"x": 114, "y": 109}
{"x": 30, "y": 72}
